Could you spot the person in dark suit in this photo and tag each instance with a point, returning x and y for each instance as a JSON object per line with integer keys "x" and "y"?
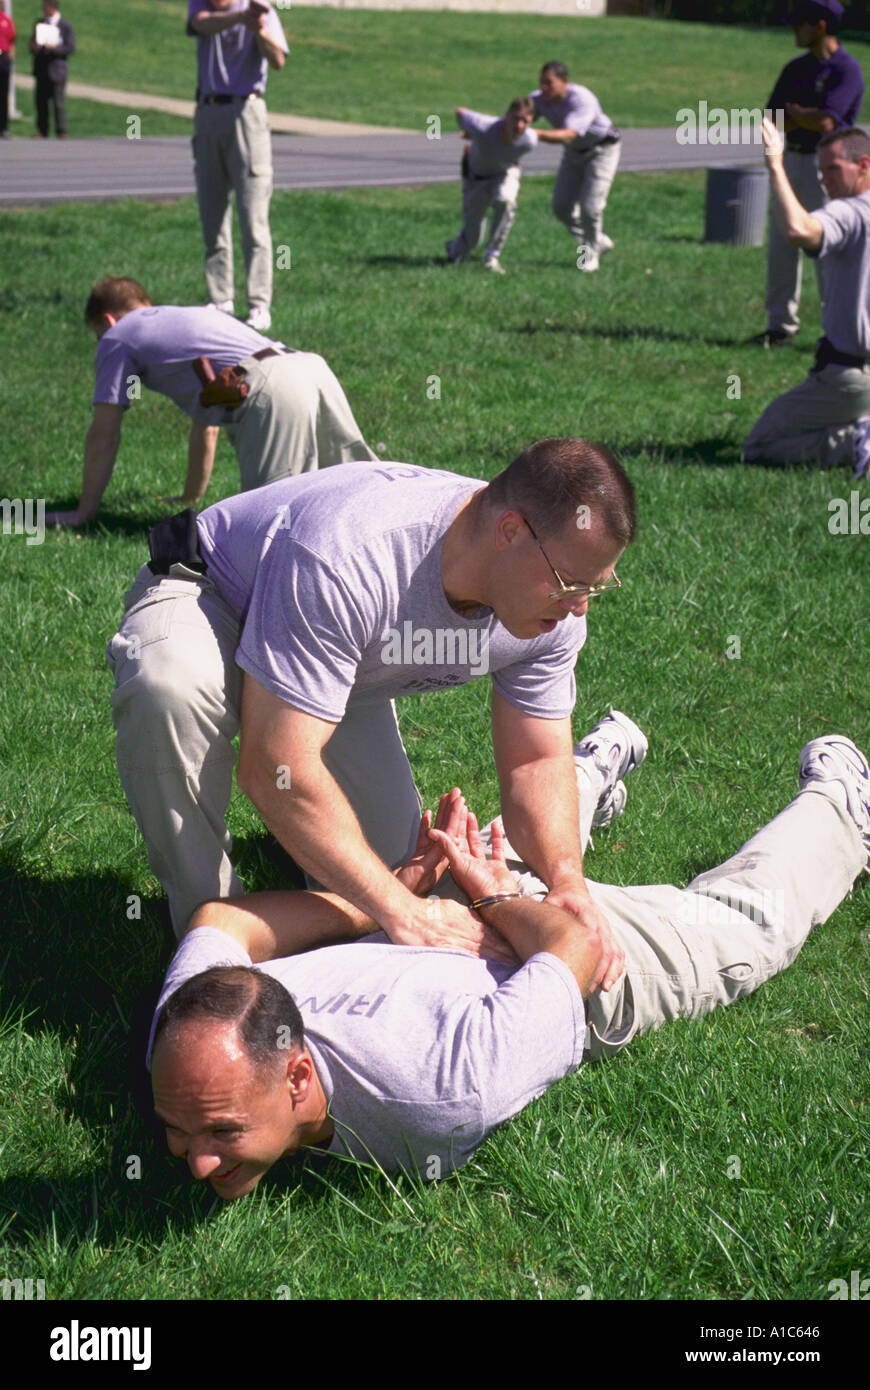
{"x": 50, "y": 70}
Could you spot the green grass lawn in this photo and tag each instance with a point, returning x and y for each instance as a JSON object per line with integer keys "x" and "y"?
{"x": 620, "y": 1181}
{"x": 397, "y": 68}
{"x": 93, "y": 118}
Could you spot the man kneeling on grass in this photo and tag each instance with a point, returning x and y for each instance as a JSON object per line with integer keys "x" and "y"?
{"x": 409, "y": 1056}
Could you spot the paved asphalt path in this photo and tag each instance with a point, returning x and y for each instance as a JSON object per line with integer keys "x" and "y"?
{"x": 53, "y": 171}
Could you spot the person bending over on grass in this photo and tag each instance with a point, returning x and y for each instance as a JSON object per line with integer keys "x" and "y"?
{"x": 408, "y": 1057}
{"x": 284, "y": 411}
{"x": 491, "y": 178}
{"x": 297, "y": 614}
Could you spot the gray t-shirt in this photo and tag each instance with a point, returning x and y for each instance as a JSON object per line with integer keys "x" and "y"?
{"x": 230, "y": 63}
{"x": 845, "y": 261}
{"x": 421, "y": 1052}
{"x": 157, "y": 345}
{"x": 490, "y": 155}
{"x": 578, "y": 110}
{"x": 336, "y": 577}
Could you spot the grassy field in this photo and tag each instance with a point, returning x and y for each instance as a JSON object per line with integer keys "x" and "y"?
{"x": 397, "y": 68}
{"x": 618, "y": 1184}
{"x": 87, "y": 119}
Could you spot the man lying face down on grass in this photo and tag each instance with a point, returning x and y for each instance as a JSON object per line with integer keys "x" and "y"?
{"x": 408, "y": 1056}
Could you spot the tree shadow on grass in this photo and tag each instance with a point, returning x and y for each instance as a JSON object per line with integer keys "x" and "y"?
{"x": 715, "y": 453}
{"x": 411, "y": 262}
{"x": 113, "y": 523}
{"x": 624, "y": 333}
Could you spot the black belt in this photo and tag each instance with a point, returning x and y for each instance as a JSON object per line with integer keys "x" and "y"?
{"x": 827, "y": 355}
{"x": 175, "y": 541}
{"x": 223, "y": 98}
{"x": 271, "y": 352}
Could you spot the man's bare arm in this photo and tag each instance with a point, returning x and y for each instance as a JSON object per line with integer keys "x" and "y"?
{"x": 271, "y": 51}
{"x": 200, "y": 461}
{"x": 538, "y": 784}
{"x": 529, "y": 926}
{"x": 101, "y": 450}
{"x": 272, "y": 925}
{"x": 540, "y": 810}
{"x": 310, "y": 815}
{"x": 565, "y": 136}
{"x": 210, "y": 22}
{"x": 792, "y": 219}
{"x": 275, "y": 924}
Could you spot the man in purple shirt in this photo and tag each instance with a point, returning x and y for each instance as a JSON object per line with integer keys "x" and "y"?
{"x": 297, "y": 613}
{"x": 294, "y": 416}
{"x": 236, "y": 44}
{"x": 592, "y": 149}
{"x": 819, "y": 92}
{"x": 491, "y": 178}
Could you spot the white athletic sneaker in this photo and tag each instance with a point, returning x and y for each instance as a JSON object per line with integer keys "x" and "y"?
{"x": 259, "y": 318}
{"x": 617, "y": 746}
{"x": 605, "y": 244}
{"x": 837, "y": 759}
{"x": 224, "y": 305}
{"x": 493, "y": 263}
{"x": 587, "y": 259}
{"x": 861, "y": 447}
{"x": 610, "y": 806}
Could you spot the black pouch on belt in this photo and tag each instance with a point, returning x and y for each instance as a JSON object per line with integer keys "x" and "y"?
{"x": 175, "y": 541}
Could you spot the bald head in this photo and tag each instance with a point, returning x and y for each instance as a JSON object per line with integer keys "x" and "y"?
{"x": 233, "y": 1082}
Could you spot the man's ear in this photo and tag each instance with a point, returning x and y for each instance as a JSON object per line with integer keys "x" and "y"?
{"x": 507, "y": 529}
{"x": 299, "y": 1076}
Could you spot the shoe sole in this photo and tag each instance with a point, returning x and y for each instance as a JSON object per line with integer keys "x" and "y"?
{"x": 847, "y": 755}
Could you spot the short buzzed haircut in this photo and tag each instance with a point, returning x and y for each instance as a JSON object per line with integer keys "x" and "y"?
{"x": 521, "y": 106}
{"x": 115, "y": 295}
{"x": 548, "y": 482}
{"x": 855, "y": 142}
{"x": 263, "y": 1011}
{"x": 557, "y": 69}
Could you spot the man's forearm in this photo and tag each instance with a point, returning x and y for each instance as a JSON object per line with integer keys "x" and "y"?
{"x": 315, "y": 823}
{"x": 271, "y": 51}
{"x": 272, "y": 925}
{"x": 540, "y": 811}
{"x": 532, "y": 927}
{"x": 558, "y": 137}
{"x": 792, "y": 219}
{"x": 101, "y": 450}
{"x": 200, "y": 460}
{"x": 208, "y": 23}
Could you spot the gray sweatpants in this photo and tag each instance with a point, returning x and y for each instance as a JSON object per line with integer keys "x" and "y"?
{"x": 581, "y": 189}
{"x": 232, "y": 152}
{"x": 478, "y": 196}
{"x": 690, "y": 950}
{"x": 784, "y": 261}
{"x": 294, "y": 419}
